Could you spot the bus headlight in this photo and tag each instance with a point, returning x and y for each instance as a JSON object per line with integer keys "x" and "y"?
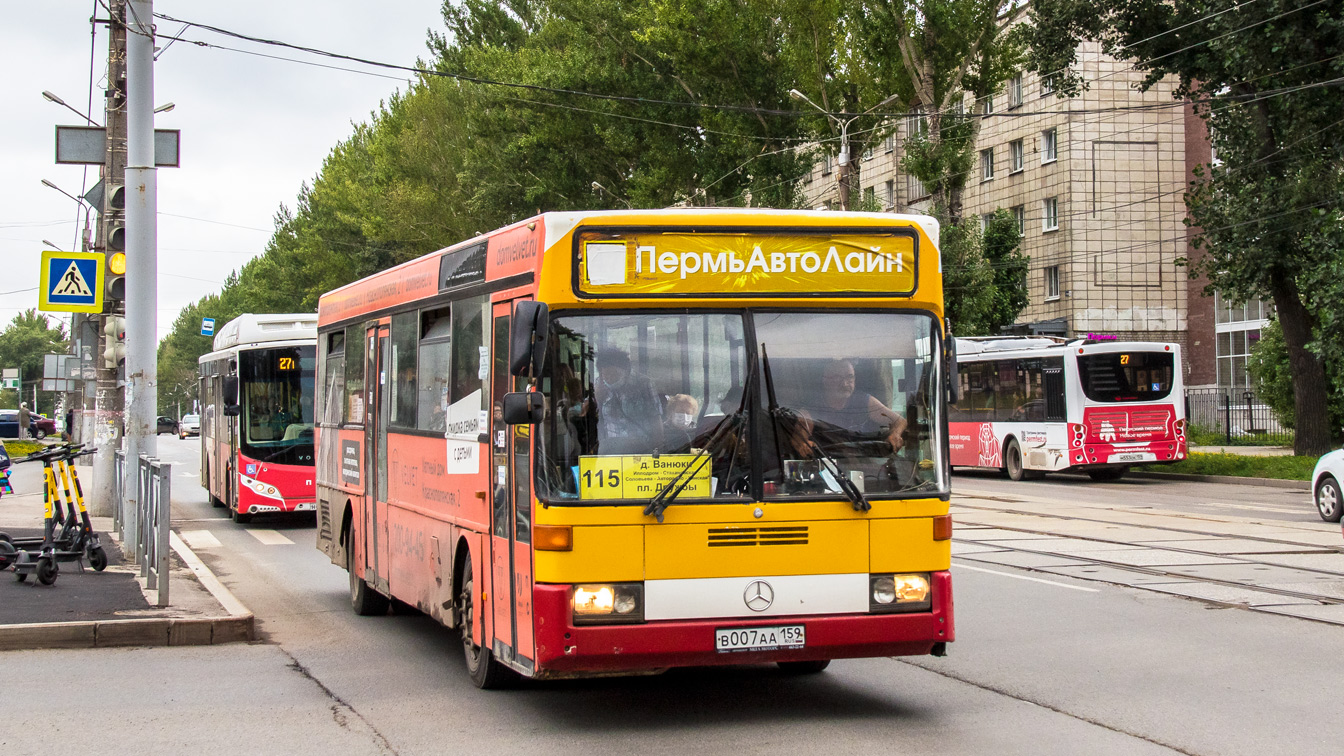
{"x": 900, "y": 593}
{"x": 608, "y": 603}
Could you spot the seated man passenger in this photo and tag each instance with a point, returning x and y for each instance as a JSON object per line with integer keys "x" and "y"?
{"x": 629, "y": 414}
{"x": 839, "y": 406}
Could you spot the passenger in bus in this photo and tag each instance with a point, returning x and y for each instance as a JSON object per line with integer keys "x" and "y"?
{"x": 629, "y": 415}
{"x": 682, "y": 412}
{"x": 839, "y": 406}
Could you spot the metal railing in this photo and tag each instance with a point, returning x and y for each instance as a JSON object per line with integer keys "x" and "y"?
{"x": 1237, "y": 415}
{"x": 144, "y": 535}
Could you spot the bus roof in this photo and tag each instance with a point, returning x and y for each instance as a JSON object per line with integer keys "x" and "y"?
{"x": 254, "y": 328}
{"x": 971, "y": 347}
{"x": 518, "y": 250}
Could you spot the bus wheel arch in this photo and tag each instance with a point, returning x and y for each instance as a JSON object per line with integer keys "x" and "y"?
{"x": 1015, "y": 462}
{"x": 461, "y": 553}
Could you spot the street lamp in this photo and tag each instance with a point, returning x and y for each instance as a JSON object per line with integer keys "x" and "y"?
{"x": 82, "y": 204}
{"x": 599, "y": 188}
{"x": 53, "y": 98}
{"x": 842, "y": 175}
{"x": 164, "y": 108}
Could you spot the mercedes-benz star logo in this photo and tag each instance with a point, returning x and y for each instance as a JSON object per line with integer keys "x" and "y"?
{"x": 758, "y": 596}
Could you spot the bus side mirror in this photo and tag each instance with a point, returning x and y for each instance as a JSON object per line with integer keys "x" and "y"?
{"x": 523, "y": 408}
{"x": 527, "y": 343}
{"x": 953, "y": 379}
{"x": 231, "y": 408}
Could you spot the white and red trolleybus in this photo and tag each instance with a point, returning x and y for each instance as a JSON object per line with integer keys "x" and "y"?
{"x": 1030, "y": 405}
{"x": 256, "y": 396}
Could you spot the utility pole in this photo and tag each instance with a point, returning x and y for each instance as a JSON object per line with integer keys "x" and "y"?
{"x": 141, "y": 254}
{"x": 107, "y": 400}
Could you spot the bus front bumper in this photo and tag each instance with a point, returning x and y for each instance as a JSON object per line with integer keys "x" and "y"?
{"x": 563, "y": 647}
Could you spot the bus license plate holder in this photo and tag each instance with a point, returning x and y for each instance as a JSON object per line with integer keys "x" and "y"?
{"x": 729, "y": 640}
{"x": 1128, "y": 457}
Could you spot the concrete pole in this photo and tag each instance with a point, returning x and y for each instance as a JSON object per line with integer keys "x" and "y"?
{"x": 142, "y": 298}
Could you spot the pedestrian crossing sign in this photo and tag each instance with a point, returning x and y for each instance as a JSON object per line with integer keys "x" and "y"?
{"x": 71, "y": 282}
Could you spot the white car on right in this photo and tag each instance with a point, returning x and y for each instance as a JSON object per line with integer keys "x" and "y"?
{"x": 1327, "y": 482}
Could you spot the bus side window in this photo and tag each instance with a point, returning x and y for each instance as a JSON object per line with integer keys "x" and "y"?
{"x": 405, "y": 329}
{"x": 353, "y": 396}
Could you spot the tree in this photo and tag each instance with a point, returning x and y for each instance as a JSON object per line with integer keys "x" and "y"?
{"x": 1268, "y": 217}
{"x": 28, "y": 337}
{"x": 984, "y": 275}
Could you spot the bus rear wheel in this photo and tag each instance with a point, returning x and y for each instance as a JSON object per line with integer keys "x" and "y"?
{"x": 1014, "y": 465}
{"x": 485, "y": 672}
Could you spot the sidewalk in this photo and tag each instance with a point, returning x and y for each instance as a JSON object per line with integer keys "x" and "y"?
{"x": 1245, "y": 451}
{"x": 86, "y": 609}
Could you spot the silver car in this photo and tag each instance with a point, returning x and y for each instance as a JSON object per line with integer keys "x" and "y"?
{"x": 189, "y": 425}
{"x": 1327, "y": 480}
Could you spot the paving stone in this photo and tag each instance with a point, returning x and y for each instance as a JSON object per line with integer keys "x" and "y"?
{"x": 1157, "y": 557}
{"x": 1323, "y": 612}
{"x": 1022, "y": 559}
{"x": 1228, "y": 594}
{"x": 1108, "y": 574}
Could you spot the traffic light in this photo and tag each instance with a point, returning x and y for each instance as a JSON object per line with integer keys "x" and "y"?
{"x": 114, "y": 341}
{"x": 116, "y": 197}
{"x": 115, "y": 278}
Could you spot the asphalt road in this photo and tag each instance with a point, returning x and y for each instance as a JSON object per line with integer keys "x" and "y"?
{"x": 1044, "y": 662}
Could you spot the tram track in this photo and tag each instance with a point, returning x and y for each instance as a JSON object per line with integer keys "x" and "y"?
{"x": 1330, "y": 593}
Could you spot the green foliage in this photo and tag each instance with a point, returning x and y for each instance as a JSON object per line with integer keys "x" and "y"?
{"x": 1002, "y": 245}
{"x": 1282, "y": 467}
{"x": 18, "y": 448}
{"x": 984, "y": 275}
{"x": 1273, "y": 377}
{"x": 23, "y": 343}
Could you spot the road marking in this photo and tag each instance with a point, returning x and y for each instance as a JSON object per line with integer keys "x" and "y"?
{"x": 188, "y": 475}
{"x": 201, "y": 539}
{"x": 270, "y": 537}
{"x": 1024, "y": 577}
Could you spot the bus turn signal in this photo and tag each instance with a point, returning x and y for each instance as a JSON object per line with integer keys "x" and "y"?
{"x": 942, "y": 528}
{"x": 553, "y": 538}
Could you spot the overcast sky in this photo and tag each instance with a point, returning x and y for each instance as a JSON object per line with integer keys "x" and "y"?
{"x": 253, "y": 129}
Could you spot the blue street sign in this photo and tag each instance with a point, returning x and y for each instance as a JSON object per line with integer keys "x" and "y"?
{"x": 71, "y": 282}
{"x": 207, "y": 326}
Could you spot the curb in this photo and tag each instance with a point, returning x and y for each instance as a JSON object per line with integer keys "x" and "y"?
{"x": 237, "y": 627}
{"x": 1291, "y": 485}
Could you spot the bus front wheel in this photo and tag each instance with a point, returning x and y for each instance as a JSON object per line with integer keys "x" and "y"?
{"x": 485, "y": 672}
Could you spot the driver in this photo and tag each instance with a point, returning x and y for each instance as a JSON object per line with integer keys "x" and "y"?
{"x": 839, "y": 406}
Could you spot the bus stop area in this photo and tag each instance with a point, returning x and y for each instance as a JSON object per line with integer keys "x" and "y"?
{"x": 85, "y": 608}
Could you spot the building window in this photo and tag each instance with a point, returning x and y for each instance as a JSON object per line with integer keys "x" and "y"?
{"x": 914, "y": 188}
{"x": 1238, "y": 326}
{"x": 1049, "y": 138}
{"x": 1052, "y": 283}
{"x": 915, "y": 124}
{"x": 889, "y": 143}
{"x": 868, "y": 154}
{"x": 826, "y": 164}
{"x": 1047, "y": 85}
{"x": 1015, "y": 90}
{"x": 1050, "y": 216}
{"x": 987, "y": 164}
{"x": 1020, "y": 215}
{"x": 989, "y": 103}
{"x": 891, "y": 195}
{"x": 870, "y": 198}
{"x": 1016, "y": 153}
{"x": 984, "y": 222}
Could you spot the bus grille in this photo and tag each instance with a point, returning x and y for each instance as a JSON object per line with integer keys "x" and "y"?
{"x": 773, "y": 536}
{"x": 323, "y": 520}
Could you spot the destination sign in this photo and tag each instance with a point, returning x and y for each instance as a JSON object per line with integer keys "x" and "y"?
{"x": 744, "y": 264}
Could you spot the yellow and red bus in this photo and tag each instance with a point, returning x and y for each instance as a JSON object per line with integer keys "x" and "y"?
{"x": 623, "y": 441}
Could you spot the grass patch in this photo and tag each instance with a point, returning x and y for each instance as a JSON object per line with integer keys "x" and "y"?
{"x": 1205, "y": 437}
{"x": 18, "y": 449}
{"x": 1239, "y": 465}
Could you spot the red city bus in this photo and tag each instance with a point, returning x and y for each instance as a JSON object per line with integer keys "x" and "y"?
{"x": 256, "y": 396}
{"x": 590, "y": 441}
{"x": 1030, "y": 405}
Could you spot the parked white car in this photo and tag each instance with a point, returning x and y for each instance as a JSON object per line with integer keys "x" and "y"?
{"x": 1327, "y": 482}
{"x": 189, "y": 425}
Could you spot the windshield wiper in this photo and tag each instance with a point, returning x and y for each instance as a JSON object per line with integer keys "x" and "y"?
{"x": 778, "y": 413}
{"x": 673, "y": 488}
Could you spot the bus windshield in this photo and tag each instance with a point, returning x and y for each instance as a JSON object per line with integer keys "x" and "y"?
{"x": 1126, "y": 376}
{"x": 636, "y": 399}
{"x": 277, "y": 403}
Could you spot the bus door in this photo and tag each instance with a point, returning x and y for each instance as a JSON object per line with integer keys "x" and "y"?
{"x": 375, "y": 462}
{"x": 511, "y": 518}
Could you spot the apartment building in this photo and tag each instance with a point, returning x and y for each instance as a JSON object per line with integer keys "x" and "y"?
{"x": 1096, "y": 183}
